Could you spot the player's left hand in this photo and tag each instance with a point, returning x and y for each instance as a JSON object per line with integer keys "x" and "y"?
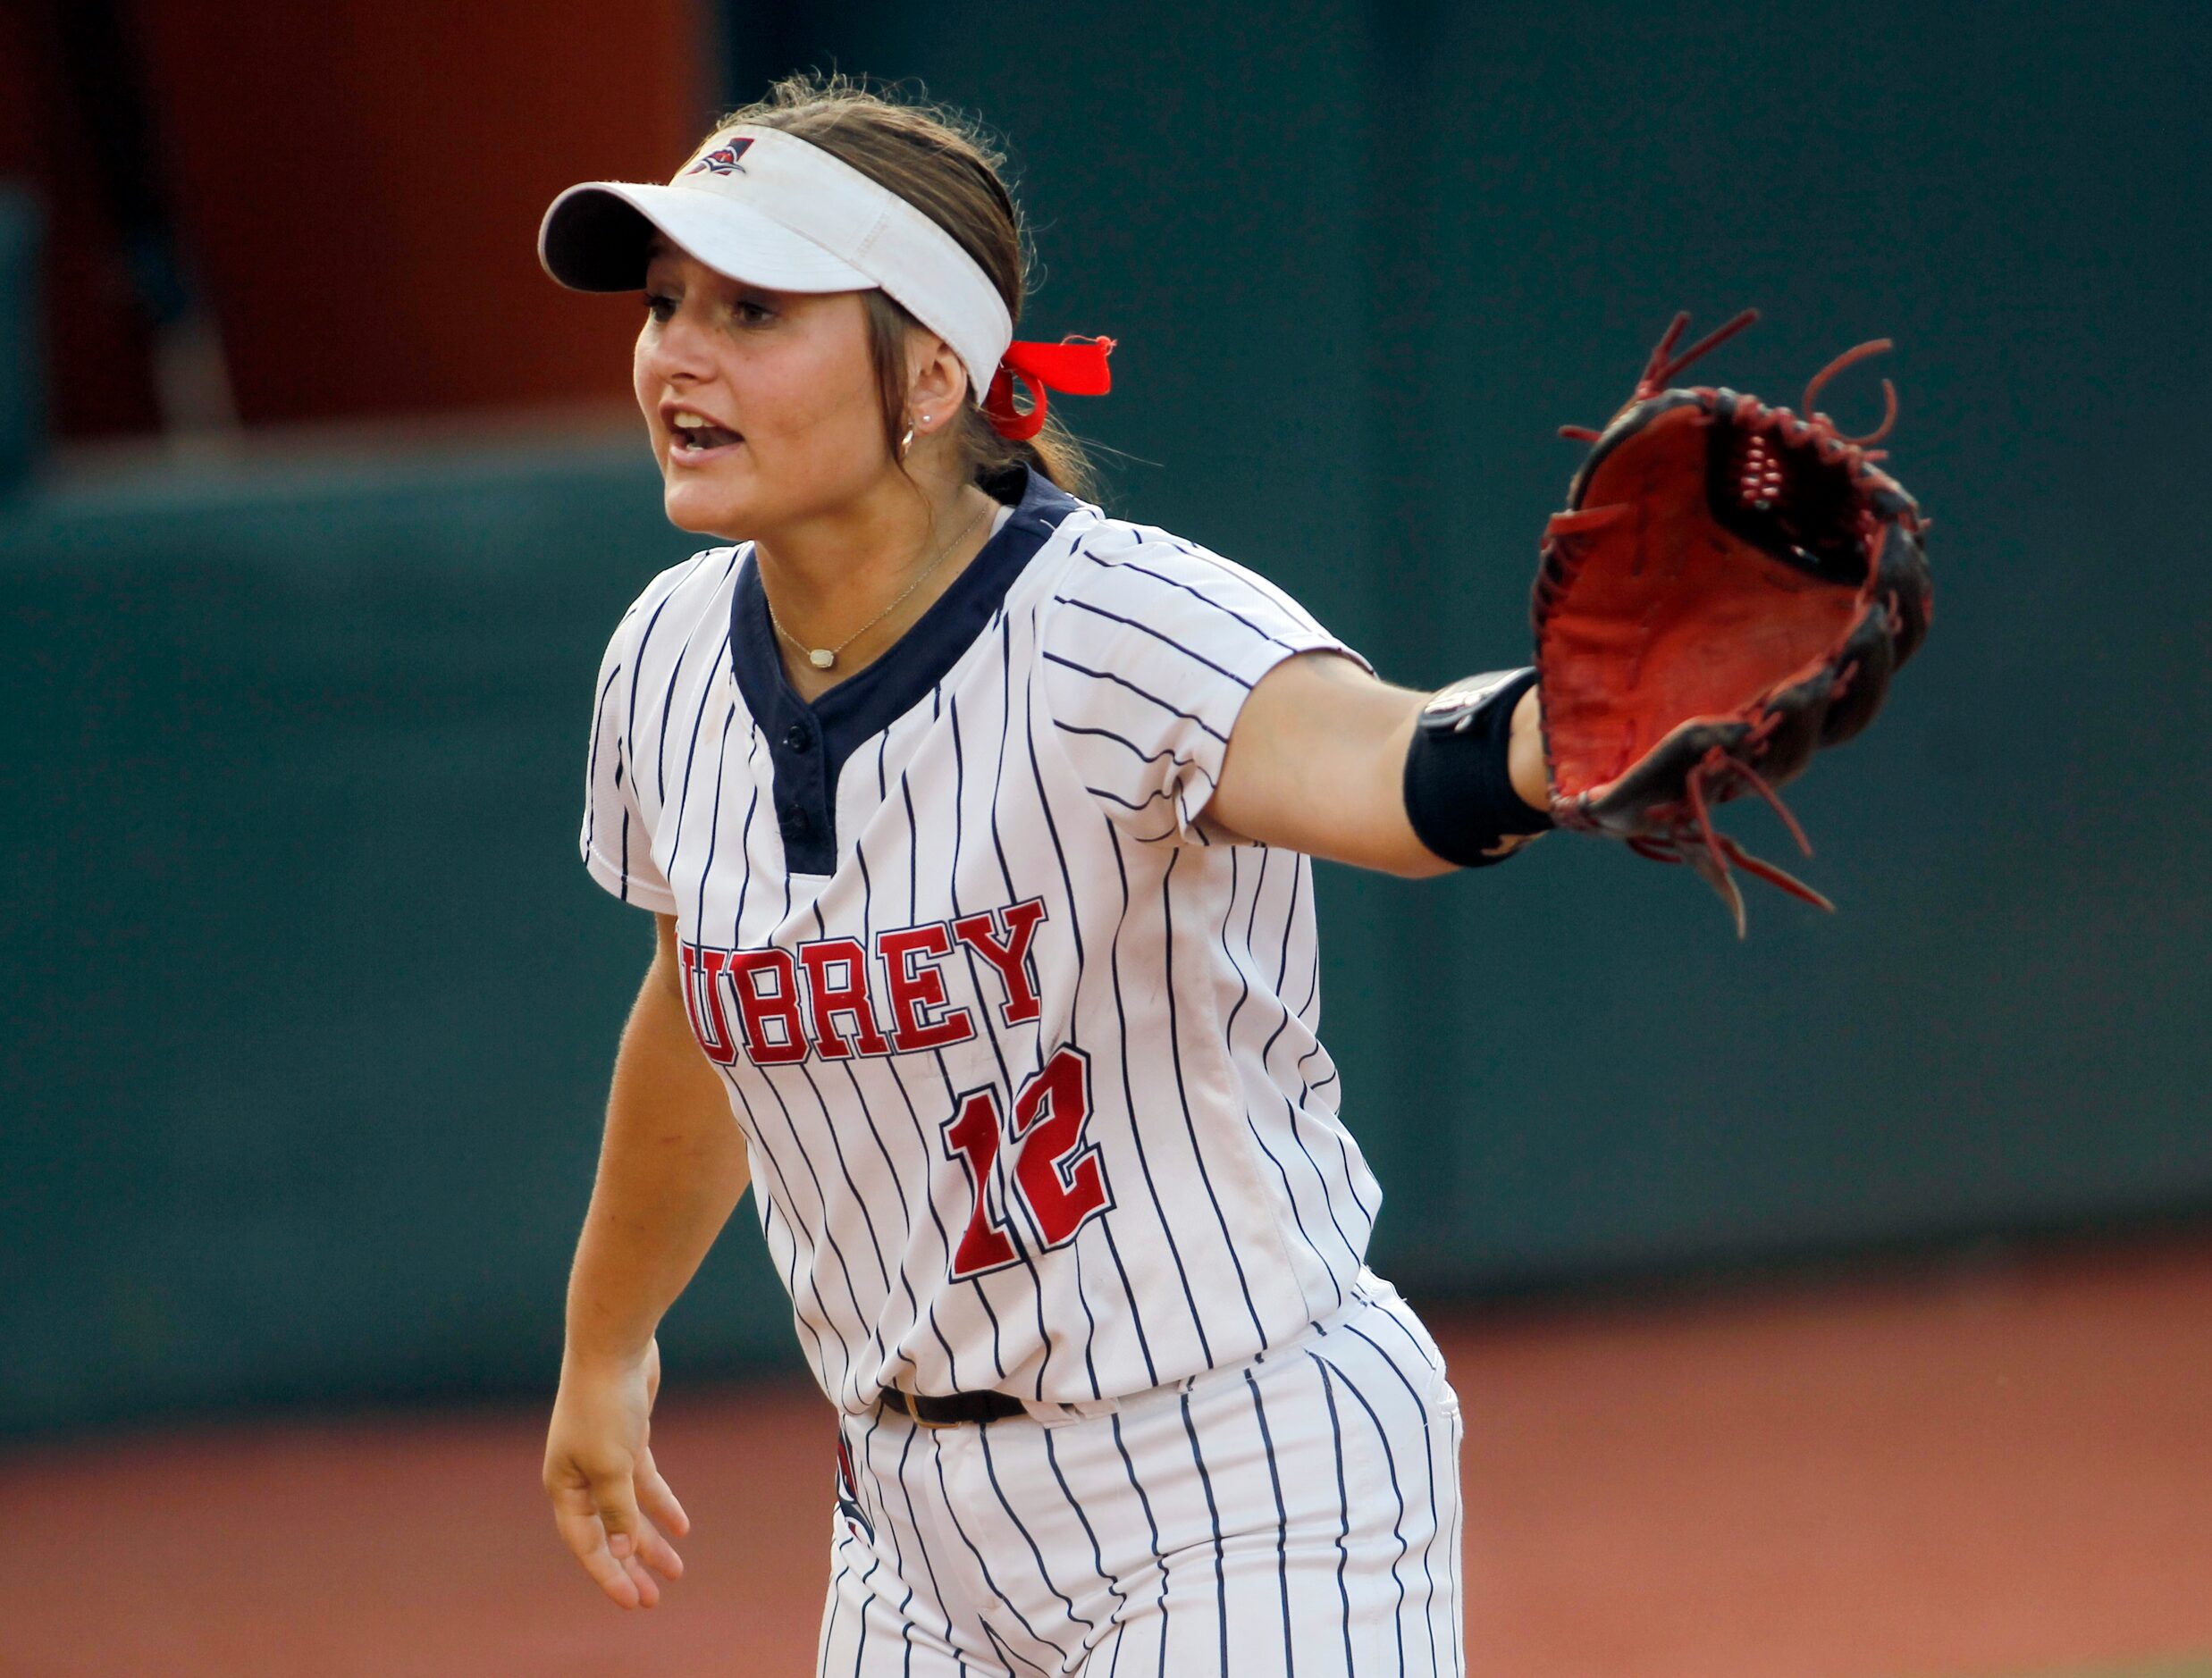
{"x": 1729, "y": 590}
{"x": 606, "y": 1490}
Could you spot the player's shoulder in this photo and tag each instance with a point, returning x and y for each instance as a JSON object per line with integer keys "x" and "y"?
{"x": 1118, "y": 567}
{"x": 675, "y": 603}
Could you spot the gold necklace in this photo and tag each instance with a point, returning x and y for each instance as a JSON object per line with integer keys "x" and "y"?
{"x": 826, "y": 658}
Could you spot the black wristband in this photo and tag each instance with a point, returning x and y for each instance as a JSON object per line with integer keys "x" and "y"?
{"x": 1460, "y": 793}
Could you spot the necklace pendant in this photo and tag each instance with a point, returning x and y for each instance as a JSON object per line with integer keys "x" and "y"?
{"x": 821, "y": 658}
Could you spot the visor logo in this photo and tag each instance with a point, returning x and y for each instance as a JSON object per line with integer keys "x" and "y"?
{"x": 722, "y": 160}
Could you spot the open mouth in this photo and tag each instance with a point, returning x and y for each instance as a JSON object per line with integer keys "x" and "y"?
{"x": 693, "y": 435}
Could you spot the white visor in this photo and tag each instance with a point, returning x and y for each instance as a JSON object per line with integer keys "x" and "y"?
{"x": 767, "y": 208}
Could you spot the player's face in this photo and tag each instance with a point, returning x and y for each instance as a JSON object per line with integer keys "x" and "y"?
{"x": 763, "y": 406}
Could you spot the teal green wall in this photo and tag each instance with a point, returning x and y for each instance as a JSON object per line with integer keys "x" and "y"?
{"x": 22, "y": 388}
{"x": 309, "y": 1007}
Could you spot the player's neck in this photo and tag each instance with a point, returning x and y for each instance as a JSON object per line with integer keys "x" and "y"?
{"x": 826, "y": 577}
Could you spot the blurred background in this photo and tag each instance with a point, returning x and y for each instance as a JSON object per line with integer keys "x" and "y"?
{"x": 1836, "y": 1302}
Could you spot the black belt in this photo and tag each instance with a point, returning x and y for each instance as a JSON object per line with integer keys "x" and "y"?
{"x": 946, "y": 1412}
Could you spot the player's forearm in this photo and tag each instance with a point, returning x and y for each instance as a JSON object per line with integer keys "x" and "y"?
{"x": 1525, "y": 769}
{"x": 1316, "y": 763}
{"x": 671, "y": 1167}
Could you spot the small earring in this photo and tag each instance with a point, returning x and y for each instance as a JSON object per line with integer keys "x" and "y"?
{"x": 905, "y": 442}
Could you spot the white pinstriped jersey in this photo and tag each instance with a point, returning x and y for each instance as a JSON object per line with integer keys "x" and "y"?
{"x": 1023, "y": 1049}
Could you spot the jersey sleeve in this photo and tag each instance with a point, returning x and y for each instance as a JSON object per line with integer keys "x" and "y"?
{"x": 618, "y": 849}
{"x": 1148, "y": 652}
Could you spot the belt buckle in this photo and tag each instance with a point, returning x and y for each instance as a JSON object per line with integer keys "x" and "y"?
{"x": 909, "y": 1405}
{"x": 913, "y": 1412}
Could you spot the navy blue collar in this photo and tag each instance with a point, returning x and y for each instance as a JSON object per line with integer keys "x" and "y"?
{"x": 808, "y": 744}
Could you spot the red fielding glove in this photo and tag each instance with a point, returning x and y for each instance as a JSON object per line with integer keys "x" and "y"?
{"x": 1729, "y": 589}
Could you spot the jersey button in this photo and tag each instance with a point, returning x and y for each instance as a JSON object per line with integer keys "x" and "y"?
{"x": 796, "y": 738}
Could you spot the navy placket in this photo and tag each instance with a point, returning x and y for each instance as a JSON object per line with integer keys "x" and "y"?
{"x": 805, "y": 813}
{"x": 808, "y": 744}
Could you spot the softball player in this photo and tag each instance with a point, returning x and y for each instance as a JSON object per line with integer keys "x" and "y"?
{"x": 976, "y": 823}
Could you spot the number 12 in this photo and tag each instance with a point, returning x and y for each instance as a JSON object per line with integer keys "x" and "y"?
{"x": 1055, "y": 1175}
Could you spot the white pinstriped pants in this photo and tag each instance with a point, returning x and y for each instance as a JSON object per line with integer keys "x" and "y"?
{"x": 1300, "y": 1514}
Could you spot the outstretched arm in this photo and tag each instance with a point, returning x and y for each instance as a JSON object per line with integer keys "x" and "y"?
{"x": 1316, "y": 763}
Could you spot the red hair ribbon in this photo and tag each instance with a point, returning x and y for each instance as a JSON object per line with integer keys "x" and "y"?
{"x": 1077, "y": 367}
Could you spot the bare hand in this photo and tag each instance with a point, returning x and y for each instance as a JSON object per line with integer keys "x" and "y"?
{"x": 606, "y": 1491}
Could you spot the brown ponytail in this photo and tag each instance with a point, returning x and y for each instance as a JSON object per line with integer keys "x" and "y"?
{"x": 944, "y": 165}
